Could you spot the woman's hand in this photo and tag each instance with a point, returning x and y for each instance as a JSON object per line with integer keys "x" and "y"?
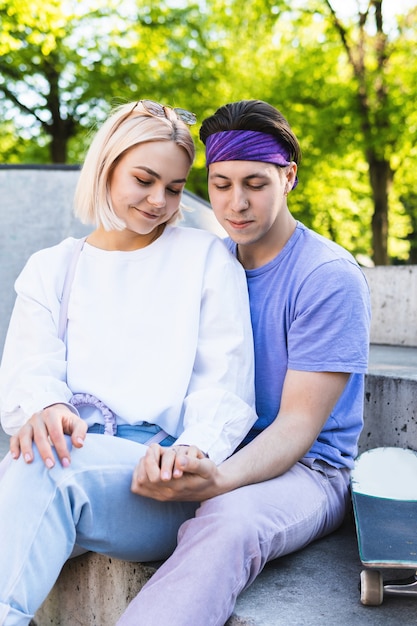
{"x": 162, "y": 463}
{"x": 47, "y": 428}
{"x": 181, "y": 473}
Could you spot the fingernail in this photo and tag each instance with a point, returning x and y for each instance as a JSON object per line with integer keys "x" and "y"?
{"x": 80, "y": 441}
{"x": 49, "y": 463}
{"x": 65, "y": 462}
{"x": 28, "y": 458}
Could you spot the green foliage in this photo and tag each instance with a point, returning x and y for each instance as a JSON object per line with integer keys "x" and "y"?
{"x": 65, "y": 63}
{"x": 22, "y": 151}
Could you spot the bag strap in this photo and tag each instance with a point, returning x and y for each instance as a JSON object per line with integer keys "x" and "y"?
{"x": 66, "y": 290}
{"x": 84, "y": 399}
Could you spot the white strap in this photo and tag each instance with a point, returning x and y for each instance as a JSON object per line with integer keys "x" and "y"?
{"x": 66, "y": 290}
{"x": 62, "y": 329}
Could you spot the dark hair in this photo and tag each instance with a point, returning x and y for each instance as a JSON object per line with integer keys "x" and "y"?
{"x": 252, "y": 115}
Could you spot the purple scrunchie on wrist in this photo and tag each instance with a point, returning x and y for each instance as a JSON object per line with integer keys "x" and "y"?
{"x": 246, "y": 145}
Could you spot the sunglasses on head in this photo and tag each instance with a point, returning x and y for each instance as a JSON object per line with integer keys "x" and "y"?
{"x": 154, "y": 108}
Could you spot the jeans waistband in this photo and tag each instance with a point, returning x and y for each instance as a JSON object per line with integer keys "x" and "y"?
{"x": 144, "y": 433}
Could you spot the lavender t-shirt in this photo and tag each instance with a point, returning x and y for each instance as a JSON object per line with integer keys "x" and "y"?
{"x": 310, "y": 311}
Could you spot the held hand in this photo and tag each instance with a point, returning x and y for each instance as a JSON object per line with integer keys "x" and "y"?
{"x": 179, "y": 473}
{"x": 47, "y": 428}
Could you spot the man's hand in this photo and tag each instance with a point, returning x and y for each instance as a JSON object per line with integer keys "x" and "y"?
{"x": 178, "y": 473}
{"x": 47, "y": 428}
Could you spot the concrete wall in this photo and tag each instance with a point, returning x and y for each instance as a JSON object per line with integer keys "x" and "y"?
{"x": 390, "y": 412}
{"x": 36, "y": 212}
{"x": 394, "y": 304}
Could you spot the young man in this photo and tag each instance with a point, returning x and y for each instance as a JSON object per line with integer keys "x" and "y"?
{"x": 288, "y": 484}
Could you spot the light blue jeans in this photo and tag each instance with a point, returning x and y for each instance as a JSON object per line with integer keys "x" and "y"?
{"x": 45, "y": 513}
{"x": 226, "y": 545}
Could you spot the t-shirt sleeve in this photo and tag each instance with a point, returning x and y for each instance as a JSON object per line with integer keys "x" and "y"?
{"x": 330, "y": 320}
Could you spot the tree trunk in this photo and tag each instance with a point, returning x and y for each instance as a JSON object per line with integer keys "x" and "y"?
{"x": 409, "y": 201}
{"x": 58, "y": 149}
{"x": 380, "y": 175}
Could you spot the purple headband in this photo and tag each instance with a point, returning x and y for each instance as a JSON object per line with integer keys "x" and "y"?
{"x": 246, "y": 145}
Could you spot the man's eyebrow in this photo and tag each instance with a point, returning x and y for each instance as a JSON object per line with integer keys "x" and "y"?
{"x": 248, "y": 177}
{"x": 156, "y": 175}
{"x": 216, "y": 175}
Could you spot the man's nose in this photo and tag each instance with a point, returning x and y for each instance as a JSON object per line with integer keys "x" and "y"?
{"x": 240, "y": 202}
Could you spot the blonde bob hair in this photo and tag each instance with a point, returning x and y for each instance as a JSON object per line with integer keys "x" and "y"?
{"x": 129, "y": 125}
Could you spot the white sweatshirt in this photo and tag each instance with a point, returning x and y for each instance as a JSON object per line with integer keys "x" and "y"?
{"x": 161, "y": 335}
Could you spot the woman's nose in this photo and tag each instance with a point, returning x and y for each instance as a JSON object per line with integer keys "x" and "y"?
{"x": 157, "y": 198}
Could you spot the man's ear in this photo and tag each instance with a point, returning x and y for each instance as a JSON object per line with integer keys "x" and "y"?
{"x": 291, "y": 176}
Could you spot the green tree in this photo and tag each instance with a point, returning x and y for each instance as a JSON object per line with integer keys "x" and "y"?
{"x": 62, "y": 65}
{"x": 293, "y": 62}
{"x": 43, "y": 75}
{"x": 348, "y": 90}
{"x": 376, "y": 57}
{"x": 346, "y": 87}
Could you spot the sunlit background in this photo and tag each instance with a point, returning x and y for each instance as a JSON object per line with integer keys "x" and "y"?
{"x": 343, "y": 72}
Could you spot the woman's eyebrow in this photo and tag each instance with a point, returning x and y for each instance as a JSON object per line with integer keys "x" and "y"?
{"x": 156, "y": 175}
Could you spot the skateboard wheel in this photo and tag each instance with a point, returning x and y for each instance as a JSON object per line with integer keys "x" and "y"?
{"x": 372, "y": 587}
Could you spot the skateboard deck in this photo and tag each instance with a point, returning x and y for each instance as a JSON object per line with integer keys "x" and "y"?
{"x": 384, "y": 496}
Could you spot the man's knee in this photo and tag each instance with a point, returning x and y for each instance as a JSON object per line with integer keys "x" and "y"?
{"x": 228, "y": 520}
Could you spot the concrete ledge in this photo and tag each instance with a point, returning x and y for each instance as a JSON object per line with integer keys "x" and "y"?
{"x": 317, "y": 585}
{"x": 390, "y": 410}
{"x": 93, "y": 589}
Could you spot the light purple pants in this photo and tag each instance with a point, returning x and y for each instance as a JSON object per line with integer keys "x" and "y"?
{"x": 222, "y": 550}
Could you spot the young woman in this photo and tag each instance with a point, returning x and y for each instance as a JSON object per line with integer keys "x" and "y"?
{"x": 140, "y": 333}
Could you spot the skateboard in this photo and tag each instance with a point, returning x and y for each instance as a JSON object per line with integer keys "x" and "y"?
{"x": 384, "y": 497}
